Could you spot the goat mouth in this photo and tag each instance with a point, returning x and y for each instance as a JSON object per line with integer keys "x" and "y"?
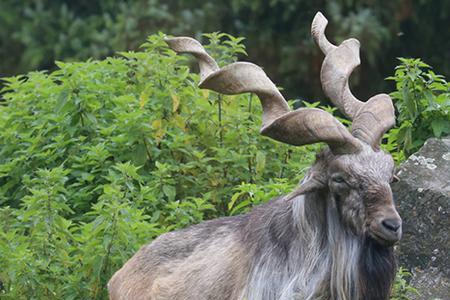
{"x": 382, "y": 239}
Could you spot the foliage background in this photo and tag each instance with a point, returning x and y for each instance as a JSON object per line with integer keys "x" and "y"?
{"x": 35, "y": 33}
{"x": 99, "y": 157}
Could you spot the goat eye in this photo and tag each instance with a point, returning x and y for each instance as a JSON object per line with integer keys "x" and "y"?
{"x": 338, "y": 179}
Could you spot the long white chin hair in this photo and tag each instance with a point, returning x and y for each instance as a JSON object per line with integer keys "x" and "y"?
{"x": 322, "y": 260}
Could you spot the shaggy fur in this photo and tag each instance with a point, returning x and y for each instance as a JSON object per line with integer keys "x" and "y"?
{"x": 320, "y": 245}
{"x": 308, "y": 254}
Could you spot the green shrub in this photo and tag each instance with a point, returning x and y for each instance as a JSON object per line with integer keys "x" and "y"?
{"x": 402, "y": 290}
{"x": 422, "y": 99}
{"x": 98, "y": 158}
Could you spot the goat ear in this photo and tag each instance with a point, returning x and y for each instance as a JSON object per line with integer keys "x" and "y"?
{"x": 313, "y": 183}
{"x": 315, "y": 179}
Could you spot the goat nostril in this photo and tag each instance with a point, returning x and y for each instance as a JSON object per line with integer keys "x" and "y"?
{"x": 391, "y": 224}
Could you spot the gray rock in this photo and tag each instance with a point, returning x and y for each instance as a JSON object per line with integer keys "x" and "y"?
{"x": 431, "y": 284}
{"x": 423, "y": 200}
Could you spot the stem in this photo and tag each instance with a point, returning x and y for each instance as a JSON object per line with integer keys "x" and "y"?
{"x": 49, "y": 223}
{"x": 81, "y": 119}
{"x": 249, "y": 160}
{"x": 113, "y": 235}
{"x": 146, "y": 149}
{"x": 219, "y": 112}
{"x": 104, "y": 266}
{"x": 287, "y": 156}
{"x": 250, "y": 169}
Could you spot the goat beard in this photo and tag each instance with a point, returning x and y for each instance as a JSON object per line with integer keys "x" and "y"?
{"x": 377, "y": 268}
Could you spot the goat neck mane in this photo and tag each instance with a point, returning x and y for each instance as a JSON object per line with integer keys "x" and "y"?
{"x": 307, "y": 254}
{"x": 377, "y": 270}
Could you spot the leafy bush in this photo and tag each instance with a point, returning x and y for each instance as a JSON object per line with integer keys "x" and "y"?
{"x": 99, "y": 157}
{"x": 401, "y": 289}
{"x": 422, "y": 99}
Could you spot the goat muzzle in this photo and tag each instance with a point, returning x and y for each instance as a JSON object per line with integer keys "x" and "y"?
{"x": 387, "y": 230}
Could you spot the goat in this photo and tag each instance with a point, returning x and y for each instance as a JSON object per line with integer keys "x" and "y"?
{"x": 331, "y": 238}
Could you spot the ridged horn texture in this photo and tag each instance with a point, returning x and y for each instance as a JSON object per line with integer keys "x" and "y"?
{"x": 371, "y": 119}
{"x": 299, "y": 127}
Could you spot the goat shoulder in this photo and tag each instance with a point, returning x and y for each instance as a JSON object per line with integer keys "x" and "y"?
{"x": 204, "y": 261}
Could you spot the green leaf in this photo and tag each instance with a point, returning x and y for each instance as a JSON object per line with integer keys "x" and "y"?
{"x": 260, "y": 162}
{"x": 440, "y": 126}
{"x": 170, "y": 192}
